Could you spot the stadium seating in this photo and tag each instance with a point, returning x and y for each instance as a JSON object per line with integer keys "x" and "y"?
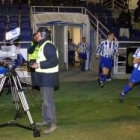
{"x": 15, "y": 5}
{"x": 108, "y": 13}
{"x": 135, "y": 38}
{"x": 1, "y": 34}
{"x": 13, "y": 19}
{"x": 14, "y": 15}
{"x": 26, "y": 37}
{"x": 5, "y": 10}
{"x": 111, "y": 21}
{"x": 116, "y": 31}
{"x": 117, "y": 23}
{"x": 2, "y": 25}
{"x": 135, "y": 32}
{"x": 25, "y": 6}
{"x": 25, "y": 45}
{"x": 14, "y": 11}
{"x": 3, "y": 18}
{"x": 25, "y": 26}
{"x": 25, "y": 19}
{"x": 123, "y": 38}
{"x": 25, "y": 12}
{"x": 102, "y": 20}
{"x": 12, "y": 26}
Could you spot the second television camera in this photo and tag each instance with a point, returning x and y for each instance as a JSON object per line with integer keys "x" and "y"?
{"x": 8, "y": 51}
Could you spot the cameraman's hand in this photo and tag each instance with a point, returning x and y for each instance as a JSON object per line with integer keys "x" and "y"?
{"x": 35, "y": 65}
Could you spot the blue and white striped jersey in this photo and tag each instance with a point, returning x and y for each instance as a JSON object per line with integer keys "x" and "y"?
{"x": 137, "y": 54}
{"x": 83, "y": 47}
{"x": 107, "y": 49}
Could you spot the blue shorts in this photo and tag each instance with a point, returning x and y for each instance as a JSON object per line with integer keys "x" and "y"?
{"x": 106, "y": 62}
{"x": 71, "y": 53}
{"x": 83, "y": 56}
{"x": 135, "y": 76}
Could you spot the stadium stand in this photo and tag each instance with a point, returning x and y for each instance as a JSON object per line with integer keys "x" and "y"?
{"x": 17, "y": 13}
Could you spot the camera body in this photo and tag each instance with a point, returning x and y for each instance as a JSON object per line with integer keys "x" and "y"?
{"x": 12, "y": 57}
{"x": 10, "y": 51}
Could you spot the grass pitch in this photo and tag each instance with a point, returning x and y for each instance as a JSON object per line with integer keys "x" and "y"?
{"x": 84, "y": 112}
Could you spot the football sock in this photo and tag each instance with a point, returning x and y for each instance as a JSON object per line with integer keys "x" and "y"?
{"x": 126, "y": 89}
{"x": 103, "y": 77}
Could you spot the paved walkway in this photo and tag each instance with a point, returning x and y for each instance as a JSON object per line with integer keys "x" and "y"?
{"x": 75, "y": 74}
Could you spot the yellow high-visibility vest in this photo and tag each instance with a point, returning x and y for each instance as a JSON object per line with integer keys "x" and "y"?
{"x": 34, "y": 54}
{"x": 41, "y": 57}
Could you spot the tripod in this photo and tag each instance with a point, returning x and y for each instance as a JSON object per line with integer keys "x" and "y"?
{"x": 18, "y": 96}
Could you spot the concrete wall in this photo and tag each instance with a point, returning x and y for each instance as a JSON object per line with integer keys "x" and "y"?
{"x": 59, "y": 42}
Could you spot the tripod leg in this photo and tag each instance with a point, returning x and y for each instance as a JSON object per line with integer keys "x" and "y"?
{"x": 25, "y": 104}
{"x": 15, "y": 99}
{"x": 2, "y": 83}
{"x": 22, "y": 98}
{"x": 9, "y": 88}
{"x": 14, "y": 95}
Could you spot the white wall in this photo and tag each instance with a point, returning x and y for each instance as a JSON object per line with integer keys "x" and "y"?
{"x": 133, "y": 4}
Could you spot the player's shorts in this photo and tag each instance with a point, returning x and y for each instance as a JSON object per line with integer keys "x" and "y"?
{"x": 83, "y": 56}
{"x": 71, "y": 53}
{"x": 106, "y": 62}
{"x": 135, "y": 76}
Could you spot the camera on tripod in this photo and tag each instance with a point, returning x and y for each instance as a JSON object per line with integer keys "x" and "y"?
{"x": 8, "y": 51}
{"x": 12, "y": 56}
{"x": 8, "y": 56}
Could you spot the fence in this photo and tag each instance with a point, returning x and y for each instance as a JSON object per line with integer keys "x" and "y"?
{"x": 118, "y": 4}
{"x": 121, "y": 63}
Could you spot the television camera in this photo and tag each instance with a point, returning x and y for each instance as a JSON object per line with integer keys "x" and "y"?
{"x": 8, "y": 56}
{"x": 8, "y": 51}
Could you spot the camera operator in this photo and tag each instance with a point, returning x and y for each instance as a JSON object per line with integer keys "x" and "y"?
{"x": 47, "y": 77}
{"x": 32, "y": 56}
{"x": 33, "y": 50}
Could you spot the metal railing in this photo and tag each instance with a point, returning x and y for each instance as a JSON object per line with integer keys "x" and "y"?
{"x": 44, "y": 9}
{"x": 115, "y": 3}
{"x": 120, "y": 65}
{"x": 19, "y": 44}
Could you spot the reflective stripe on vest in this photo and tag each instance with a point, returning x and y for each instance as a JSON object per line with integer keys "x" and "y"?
{"x": 41, "y": 57}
